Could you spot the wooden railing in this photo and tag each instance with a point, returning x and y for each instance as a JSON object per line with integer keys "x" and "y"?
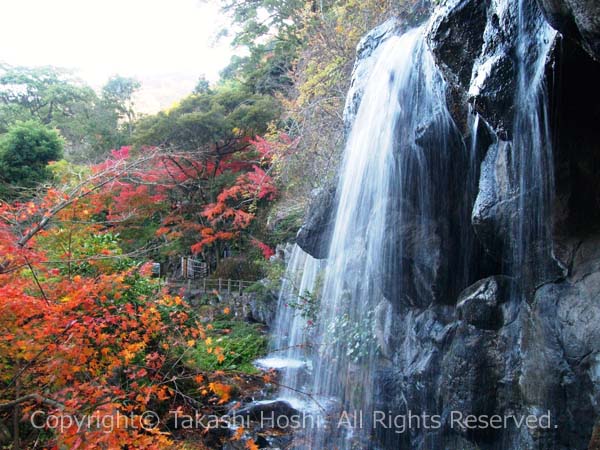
{"x": 220, "y": 285}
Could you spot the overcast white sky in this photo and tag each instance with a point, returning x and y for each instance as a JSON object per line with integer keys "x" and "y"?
{"x": 143, "y": 38}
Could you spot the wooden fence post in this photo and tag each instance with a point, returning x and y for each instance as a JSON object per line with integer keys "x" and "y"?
{"x": 241, "y": 287}
{"x": 228, "y": 286}
{"x": 220, "y": 285}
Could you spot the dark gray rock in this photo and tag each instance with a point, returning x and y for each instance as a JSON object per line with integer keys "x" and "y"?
{"x": 479, "y": 304}
{"x": 418, "y": 260}
{"x": 473, "y": 43}
{"x": 261, "y": 308}
{"x": 576, "y": 19}
{"x": 497, "y": 213}
{"x": 275, "y": 414}
{"x": 455, "y": 35}
{"x": 561, "y": 368}
{"x": 409, "y": 383}
{"x": 496, "y": 206}
{"x": 315, "y": 234}
{"x": 469, "y": 378}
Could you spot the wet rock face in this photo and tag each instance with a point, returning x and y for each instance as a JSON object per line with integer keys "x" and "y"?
{"x": 479, "y": 304}
{"x": 363, "y": 65}
{"x": 578, "y": 20}
{"x": 315, "y": 234}
{"x": 496, "y": 211}
{"x": 454, "y": 48}
{"x": 268, "y": 413}
{"x": 474, "y": 44}
{"x": 498, "y": 355}
{"x": 560, "y": 357}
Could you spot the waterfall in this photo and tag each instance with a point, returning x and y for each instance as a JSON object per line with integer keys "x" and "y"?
{"x": 402, "y": 238}
{"x": 532, "y": 161}
{"x": 289, "y": 347}
{"x": 396, "y": 154}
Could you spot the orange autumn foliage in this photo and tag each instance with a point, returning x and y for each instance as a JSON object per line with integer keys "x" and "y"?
{"x": 88, "y": 334}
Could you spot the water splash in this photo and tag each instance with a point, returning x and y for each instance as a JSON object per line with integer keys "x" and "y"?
{"x": 290, "y": 345}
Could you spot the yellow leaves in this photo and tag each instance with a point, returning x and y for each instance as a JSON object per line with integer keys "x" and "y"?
{"x": 227, "y": 310}
{"x": 223, "y": 391}
{"x": 219, "y": 354}
{"x": 208, "y": 341}
{"x": 191, "y": 343}
{"x": 130, "y": 351}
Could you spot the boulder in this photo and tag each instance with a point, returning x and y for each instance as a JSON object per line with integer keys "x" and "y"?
{"x": 578, "y": 20}
{"x": 455, "y": 35}
{"x": 314, "y": 236}
{"x": 479, "y": 304}
{"x": 261, "y": 308}
{"x": 275, "y": 414}
{"x": 498, "y": 211}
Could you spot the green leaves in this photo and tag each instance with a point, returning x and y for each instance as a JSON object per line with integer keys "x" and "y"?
{"x": 220, "y": 117}
{"x": 25, "y": 152}
{"x": 55, "y": 98}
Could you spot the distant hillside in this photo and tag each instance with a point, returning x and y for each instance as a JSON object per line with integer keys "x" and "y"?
{"x": 160, "y": 91}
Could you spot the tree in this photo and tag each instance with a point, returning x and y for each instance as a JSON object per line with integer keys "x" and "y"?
{"x": 54, "y": 97}
{"x": 87, "y": 333}
{"x": 25, "y": 151}
{"x": 202, "y": 86}
{"x": 217, "y": 121}
{"x": 47, "y": 94}
{"x": 118, "y": 92}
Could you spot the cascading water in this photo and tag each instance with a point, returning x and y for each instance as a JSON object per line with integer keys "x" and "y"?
{"x": 402, "y": 231}
{"x": 289, "y": 348}
{"x": 397, "y": 152}
{"x": 532, "y": 161}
